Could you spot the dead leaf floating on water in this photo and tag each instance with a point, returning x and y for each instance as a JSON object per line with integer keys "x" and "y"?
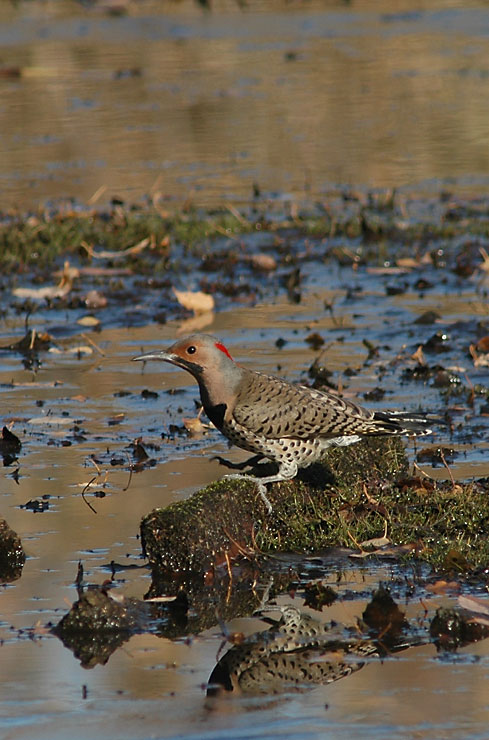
{"x": 264, "y": 262}
{"x": 94, "y": 299}
{"x": 88, "y": 321}
{"x": 196, "y": 301}
{"x": 52, "y": 291}
{"x": 80, "y": 350}
{"x": 195, "y": 426}
{"x": 418, "y": 356}
{"x": 479, "y": 360}
{"x": 483, "y": 345}
{"x": 111, "y": 255}
{"x": 50, "y": 420}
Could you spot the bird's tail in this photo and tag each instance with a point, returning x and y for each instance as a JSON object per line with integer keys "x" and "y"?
{"x": 405, "y": 422}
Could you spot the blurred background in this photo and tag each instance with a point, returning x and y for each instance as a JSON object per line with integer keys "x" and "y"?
{"x": 211, "y": 99}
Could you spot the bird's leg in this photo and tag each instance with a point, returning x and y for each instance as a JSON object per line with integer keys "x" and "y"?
{"x": 286, "y": 471}
{"x": 251, "y": 462}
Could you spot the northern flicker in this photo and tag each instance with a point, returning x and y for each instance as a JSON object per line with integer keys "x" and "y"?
{"x": 291, "y": 425}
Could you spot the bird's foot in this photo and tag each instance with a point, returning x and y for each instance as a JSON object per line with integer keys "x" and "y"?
{"x": 252, "y": 461}
{"x": 262, "y": 489}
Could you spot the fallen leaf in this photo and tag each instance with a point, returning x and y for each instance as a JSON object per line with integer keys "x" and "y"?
{"x": 34, "y": 384}
{"x": 418, "y": 356}
{"x": 80, "y": 350}
{"x": 483, "y": 344}
{"x": 50, "y": 420}
{"x": 195, "y": 426}
{"x": 106, "y": 254}
{"x": 473, "y": 604}
{"x": 376, "y": 542}
{"x": 441, "y": 586}
{"x": 485, "y": 260}
{"x": 479, "y": 360}
{"x": 196, "y": 301}
{"x": 262, "y": 262}
{"x": 51, "y": 291}
{"x": 88, "y": 321}
{"x": 94, "y": 299}
{"x": 387, "y": 270}
{"x": 407, "y": 262}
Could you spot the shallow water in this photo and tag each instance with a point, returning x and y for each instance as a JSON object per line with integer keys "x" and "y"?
{"x": 175, "y": 102}
{"x": 153, "y": 686}
{"x": 187, "y": 103}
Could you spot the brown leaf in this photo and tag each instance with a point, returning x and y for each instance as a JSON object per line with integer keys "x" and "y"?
{"x": 441, "y": 586}
{"x": 483, "y": 344}
{"x": 195, "y": 301}
{"x": 94, "y": 299}
{"x": 88, "y": 321}
{"x": 418, "y": 356}
{"x": 52, "y": 291}
{"x": 473, "y": 604}
{"x": 106, "y": 254}
{"x": 263, "y": 262}
{"x": 195, "y": 426}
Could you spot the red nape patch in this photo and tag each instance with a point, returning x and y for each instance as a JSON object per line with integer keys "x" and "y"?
{"x": 223, "y": 349}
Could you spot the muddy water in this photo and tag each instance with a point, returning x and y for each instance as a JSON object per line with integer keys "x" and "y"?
{"x": 176, "y": 102}
{"x": 153, "y": 686}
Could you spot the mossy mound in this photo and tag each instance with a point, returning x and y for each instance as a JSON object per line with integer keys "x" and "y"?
{"x": 360, "y": 497}
{"x": 229, "y": 519}
{"x": 12, "y": 555}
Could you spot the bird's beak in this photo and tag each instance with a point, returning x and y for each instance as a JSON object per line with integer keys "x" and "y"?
{"x": 157, "y": 355}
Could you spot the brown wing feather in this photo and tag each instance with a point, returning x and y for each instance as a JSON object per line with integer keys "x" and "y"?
{"x": 270, "y": 406}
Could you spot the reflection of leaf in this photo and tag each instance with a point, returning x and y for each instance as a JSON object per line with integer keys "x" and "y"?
{"x": 196, "y": 323}
{"x": 196, "y": 301}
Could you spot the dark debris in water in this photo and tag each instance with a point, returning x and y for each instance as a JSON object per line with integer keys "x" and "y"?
{"x": 37, "y": 505}
{"x": 10, "y": 446}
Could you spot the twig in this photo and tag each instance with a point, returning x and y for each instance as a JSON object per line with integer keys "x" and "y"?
{"x": 94, "y": 345}
{"x": 130, "y": 471}
{"x": 83, "y": 494}
{"x": 442, "y": 458}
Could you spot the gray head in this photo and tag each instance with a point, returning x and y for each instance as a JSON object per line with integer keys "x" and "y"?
{"x": 208, "y": 360}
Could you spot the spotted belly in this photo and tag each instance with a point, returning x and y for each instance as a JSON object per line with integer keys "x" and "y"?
{"x": 302, "y": 452}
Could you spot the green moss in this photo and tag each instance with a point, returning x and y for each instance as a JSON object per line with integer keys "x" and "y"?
{"x": 379, "y": 230}
{"x": 361, "y": 493}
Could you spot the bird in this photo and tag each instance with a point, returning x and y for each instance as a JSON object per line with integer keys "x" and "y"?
{"x": 291, "y": 425}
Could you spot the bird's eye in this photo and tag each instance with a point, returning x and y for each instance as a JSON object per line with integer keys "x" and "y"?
{"x": 191, "y": 350}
